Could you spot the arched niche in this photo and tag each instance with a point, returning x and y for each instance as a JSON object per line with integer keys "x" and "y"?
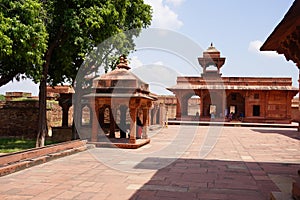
{"x": 86, "y": 116}
{"x": 194, "y": 105}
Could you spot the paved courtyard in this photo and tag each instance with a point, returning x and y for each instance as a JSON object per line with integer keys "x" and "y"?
{"x": 181, "y": 162}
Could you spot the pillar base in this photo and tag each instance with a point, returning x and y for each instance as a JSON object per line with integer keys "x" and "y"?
{"x": 145, "y": 132}
{"x": 132, "y": 140}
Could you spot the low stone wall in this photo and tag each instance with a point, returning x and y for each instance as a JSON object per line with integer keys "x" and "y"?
{"x": 13, "y": 162}
{"x": 19, "y": 119}
{"x": 61, "y": 134}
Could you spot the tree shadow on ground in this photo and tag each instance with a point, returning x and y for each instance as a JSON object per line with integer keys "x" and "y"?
{"x": 212, "y": 179}
{"x": 286, "y": 132}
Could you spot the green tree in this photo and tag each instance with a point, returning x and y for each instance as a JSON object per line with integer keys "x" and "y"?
{"x": 23, "y": 39}
{"x": 76, "y": 27}
{"x": 48, "y": 40}
{"x": 2, "y": 97}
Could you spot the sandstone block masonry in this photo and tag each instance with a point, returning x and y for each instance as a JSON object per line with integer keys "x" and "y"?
{"x": 20, "y": 118}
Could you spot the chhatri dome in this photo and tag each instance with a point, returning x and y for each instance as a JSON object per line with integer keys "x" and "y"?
{"x": 211, "y": 57}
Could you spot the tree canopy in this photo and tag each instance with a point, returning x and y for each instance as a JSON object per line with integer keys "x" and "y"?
{"x": 61, "y": 33}
{"x": 23, "y": 39}
{"x": 76, "y": 27}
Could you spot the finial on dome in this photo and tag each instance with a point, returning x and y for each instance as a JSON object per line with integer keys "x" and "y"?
{"x": 211, "y": 44}
{"x": 123, "y": 63}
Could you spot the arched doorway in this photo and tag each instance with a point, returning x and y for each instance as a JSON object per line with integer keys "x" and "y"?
{"x": 188, "y": 106}
{"x": 212, "y": 104}
{"x": 86, "y": 116}
{"x": 235, "y": 104}
{"x": 193, "y": 108}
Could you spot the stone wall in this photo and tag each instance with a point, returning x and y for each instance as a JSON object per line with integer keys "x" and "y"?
{"x": 20, "y": 118}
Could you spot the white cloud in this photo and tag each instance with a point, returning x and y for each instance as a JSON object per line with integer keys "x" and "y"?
{"x": 163, "y": 15}
{"x": 175, "y": 2}
{"x": 255, "y": 45}
{"x": 158, "y": 63}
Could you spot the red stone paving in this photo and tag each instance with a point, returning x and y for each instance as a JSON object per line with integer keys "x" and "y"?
{"x": 241, "y": 165}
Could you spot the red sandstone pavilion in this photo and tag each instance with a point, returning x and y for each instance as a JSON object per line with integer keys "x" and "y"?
{"x": 120, "y": 91}
{"x": 266, "y": 100}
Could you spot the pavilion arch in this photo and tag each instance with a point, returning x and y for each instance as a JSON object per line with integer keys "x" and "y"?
{"x": 184, "y": 103}
{"x": 104, "y": 117}
{"x": 86, "y": 115}
{"x": 235, "y": 103}
{"x": 212, "y": 103}
{"x": 193, "y": 106}
{"x": 211, "y": 67}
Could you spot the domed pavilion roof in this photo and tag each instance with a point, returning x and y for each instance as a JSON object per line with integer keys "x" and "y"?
{"x": 121, "y": 77}
{"x": 121, "y": 82}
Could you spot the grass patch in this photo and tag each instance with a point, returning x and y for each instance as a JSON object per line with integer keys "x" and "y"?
{"x": 10, "y": 145}
{"x": 23, "y": 99}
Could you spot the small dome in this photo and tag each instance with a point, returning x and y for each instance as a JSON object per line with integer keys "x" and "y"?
{"x": 119, "y": 78}
{"x": 212, "y": 49}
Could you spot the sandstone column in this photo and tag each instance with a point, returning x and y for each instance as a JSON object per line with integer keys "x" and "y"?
{"x": 95, "y": 122}
{"x": 123, "y": 110}
{"x": 132, "y": 112}
{"x": 145, "y": 123}
{"x": 112, "y": 125}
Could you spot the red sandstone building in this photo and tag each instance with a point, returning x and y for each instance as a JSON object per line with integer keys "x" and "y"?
{"x": 266, "y": 100}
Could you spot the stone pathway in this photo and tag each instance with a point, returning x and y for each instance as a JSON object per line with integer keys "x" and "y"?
{"x": 181, "y": 162}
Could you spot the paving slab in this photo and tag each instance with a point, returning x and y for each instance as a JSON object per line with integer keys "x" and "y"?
{"x": 181, "y": 162}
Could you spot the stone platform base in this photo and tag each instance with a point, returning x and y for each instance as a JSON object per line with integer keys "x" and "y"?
{"x": 121, "y": 143}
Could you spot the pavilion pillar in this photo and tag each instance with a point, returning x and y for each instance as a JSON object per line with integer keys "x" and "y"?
{"x": 154, "y": 117}
{"x": 133, "y": 115}
{"x": 201, "y": 113}
{"x": 95, "y": 122}
{"x": 65, "y": 114}
{"x": 123, "y": 110}
{"x": 178, "y": 107}
{"x": 112, "y": 125}
{"x": 145, "y": 123}
{"x": 224, "y": 102}
{"x": 162, "y": 117}
{"x": 65, "y": 102}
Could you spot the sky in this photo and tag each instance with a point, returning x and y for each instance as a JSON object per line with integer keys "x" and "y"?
{"x": 236, "y": 28}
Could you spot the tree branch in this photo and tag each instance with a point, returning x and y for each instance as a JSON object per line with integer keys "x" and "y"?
{"x": 4, "y": 79}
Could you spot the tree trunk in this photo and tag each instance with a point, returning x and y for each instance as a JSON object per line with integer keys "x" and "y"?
{"x": 76, "y": 114}
{"x": 42, "y": 126}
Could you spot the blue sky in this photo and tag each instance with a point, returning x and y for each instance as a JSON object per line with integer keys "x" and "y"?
{"x": 236, "y": 28}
